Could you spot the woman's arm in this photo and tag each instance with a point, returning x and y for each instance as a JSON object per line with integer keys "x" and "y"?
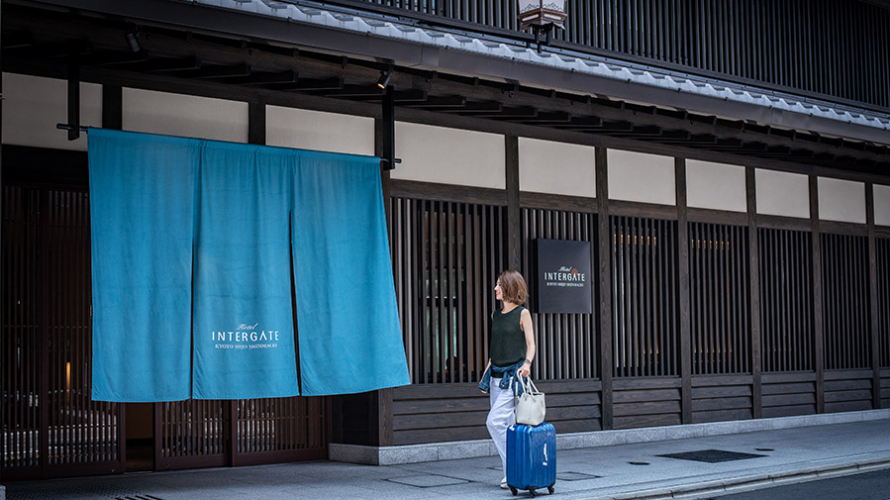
{"x": 483, "y": 374}
{"x": 525, "y": 321}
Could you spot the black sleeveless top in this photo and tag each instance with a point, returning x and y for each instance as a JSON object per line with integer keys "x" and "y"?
{"x": 507, "y": 344}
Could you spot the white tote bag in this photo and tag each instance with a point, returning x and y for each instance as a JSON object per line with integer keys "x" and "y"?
{"x": 530, "y": 407}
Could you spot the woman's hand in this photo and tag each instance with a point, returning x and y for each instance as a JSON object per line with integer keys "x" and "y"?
{"x": 526, "y": 369}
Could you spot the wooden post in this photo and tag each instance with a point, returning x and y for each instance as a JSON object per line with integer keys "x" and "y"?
{"x": 683, "y": 291}
{"x": 873, "y": 295}
{"x": 818, "y": 331}
{"x": 511, "y": 144}
{"x": 754, "y": 297}
{"x": 605, "y": 283}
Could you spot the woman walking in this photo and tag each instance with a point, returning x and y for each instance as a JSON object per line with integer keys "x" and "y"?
{"x": 511, "y": 351}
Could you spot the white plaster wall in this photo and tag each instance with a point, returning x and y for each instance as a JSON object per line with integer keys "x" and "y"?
{"x": 717, "y": 186}
{"x": 842, "y": 201}
{"x": 185, "y": 116}
{"x": 782, "y": 193}
{"x": 319, "y": 131}
{"x": 882, "y": 205}
{"x": 33, "y": 106}
{"x": 449, "y": 156}
{"x": 556, "y": 168}
{"x": 641, "y": 177}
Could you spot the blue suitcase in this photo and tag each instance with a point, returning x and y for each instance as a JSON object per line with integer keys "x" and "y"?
{"x": 531, "y": 457}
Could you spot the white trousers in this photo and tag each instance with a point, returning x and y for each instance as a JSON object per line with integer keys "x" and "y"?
{"x": 500, "y": 417}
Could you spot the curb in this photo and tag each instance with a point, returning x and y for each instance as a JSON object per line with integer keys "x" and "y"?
{"x": 717, "y": 487}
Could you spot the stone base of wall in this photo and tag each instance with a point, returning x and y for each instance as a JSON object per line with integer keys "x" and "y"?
{"x": 394, "y": 455}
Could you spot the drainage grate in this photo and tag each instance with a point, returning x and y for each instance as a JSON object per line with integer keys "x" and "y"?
{"x": 712, "y": 456}
{"x": 575, "y": 476}
{"x": 428, "y": 481}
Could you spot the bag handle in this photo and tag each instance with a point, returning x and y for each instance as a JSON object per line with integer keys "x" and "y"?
{"x": 527, "y": 385}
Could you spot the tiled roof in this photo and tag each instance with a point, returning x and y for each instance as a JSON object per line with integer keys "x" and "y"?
{"x": 316, "y": 14}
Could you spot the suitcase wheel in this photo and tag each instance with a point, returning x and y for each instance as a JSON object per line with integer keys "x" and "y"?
{"x": 550, "y": 489}
{"x": 532, "y": 491}
{"x": 514, "y": 490}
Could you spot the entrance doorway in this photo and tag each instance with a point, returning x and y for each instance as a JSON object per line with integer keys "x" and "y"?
{"x": 140, "y": 436}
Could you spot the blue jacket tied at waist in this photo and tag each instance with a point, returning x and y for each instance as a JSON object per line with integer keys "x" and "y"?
{"x": 508, "y": 378}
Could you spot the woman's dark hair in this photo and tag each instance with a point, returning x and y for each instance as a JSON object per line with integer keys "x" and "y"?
{"x": 513, "y": 287}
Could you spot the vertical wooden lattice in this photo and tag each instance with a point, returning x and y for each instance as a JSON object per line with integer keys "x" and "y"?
{"x": 20, "y": 373}
{"x": 47, "y": 336}
{"x": 446, "y": 258}
{"x": 644, "y": 297}
{"x": 822, "y": 46}
{"x": 80, "y": 431}
{"x": 718, "y": 305}
{"x": 786, "y": 293}
{"x": 192, "y": 429}
{"x": 845, "y": 301}
{"x": 566, "y": 343}
{"x": 883, "y": 273}
{"x": 281, "y": 424}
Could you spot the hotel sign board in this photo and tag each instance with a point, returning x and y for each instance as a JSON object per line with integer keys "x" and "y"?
{"x": 563, "y": 276}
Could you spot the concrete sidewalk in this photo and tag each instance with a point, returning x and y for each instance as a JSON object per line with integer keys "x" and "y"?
{"x": 627, "y": 471}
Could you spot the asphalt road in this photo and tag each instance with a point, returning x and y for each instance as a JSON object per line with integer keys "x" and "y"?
{"x": 866, "y": 486}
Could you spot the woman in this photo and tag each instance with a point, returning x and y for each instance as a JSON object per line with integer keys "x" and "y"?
{"x": 511, "y": 351}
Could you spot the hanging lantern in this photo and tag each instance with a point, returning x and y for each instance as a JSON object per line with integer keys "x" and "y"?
{"x": 538, "y": 14}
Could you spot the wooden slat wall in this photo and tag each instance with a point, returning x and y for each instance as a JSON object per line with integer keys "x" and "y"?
{"x": 646, "y": 402}
{"x": 789, "y": 394}
{"x": 825, "y": 47}
{"x": 446, "y": 258}
{"x": 719, "y": 398}
{"x": 81, "y": 432}
{"x": 848, "y": 390}
{"x": 644, "y": 297}
{"x": 883, "y": 299}
{"x": 718, "y": 277}
{"x": 20, "y": 372}
{"x": 845, "y": 302}
{"x": 885, "y": 388}
{"x": 455, "y": 412}
{"x": 566, "y": 343}
{"x": 785, "y": 297}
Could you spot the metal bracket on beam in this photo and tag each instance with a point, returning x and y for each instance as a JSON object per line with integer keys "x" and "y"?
{"x": 388, "y": 124}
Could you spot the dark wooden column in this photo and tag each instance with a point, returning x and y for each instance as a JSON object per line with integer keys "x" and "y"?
{"x": 367, "y": 418}
{"x": 873, "y": 295}
{"x": 605, "y": 282}
{"x": 511, "y": 145}
{"x": 113, "y": 119}
{"x": 818, "y": 333}
{"x": 112, "y": 107}
{"x": 683, "y": 291}
{"x": 256, "y": 123}
{"x": 380, "y": 423}
{"x": 754, "y": 297}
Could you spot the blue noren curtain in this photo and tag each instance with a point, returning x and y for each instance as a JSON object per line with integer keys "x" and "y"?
{"x": 175, "y": 220}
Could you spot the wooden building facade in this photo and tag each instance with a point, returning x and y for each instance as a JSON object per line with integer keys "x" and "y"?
{"x": 740, "y": 252}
